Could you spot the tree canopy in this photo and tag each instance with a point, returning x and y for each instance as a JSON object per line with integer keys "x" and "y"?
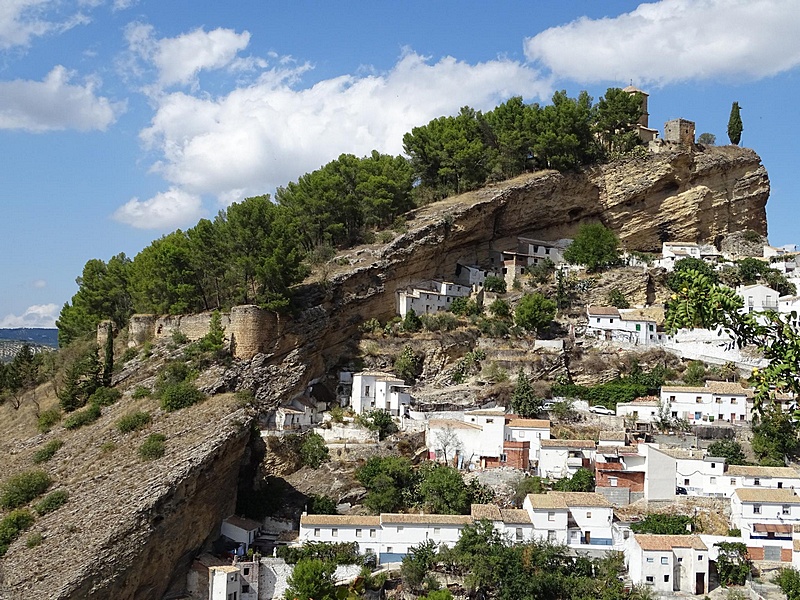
{"x": 594, "y": 246}
{"x": 735, "y": 124}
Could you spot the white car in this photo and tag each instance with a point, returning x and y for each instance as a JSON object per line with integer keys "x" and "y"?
{"x": 601, "y": 410}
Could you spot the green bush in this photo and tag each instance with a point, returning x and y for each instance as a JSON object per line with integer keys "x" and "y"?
{"x": 48, "y": 419}
{"x": 495, "y": 284}
{"x": 83, "y": 417}
{"x": 11, "y": 526}
{"x": 105, "y": 396}
{"x": 180, "y": 395}
{"x": 340, "y": 553}
{"x": 23, "y": 488}
{"x": 53, "y": 501}
{"x": 321, "y": 505}
{"x": 141, "y": 392}
{"x": 313, "y": 451}
{"x": 34, "y": 539}
{"x": 153, "y": 447}
{"x": 47, "y": 451}
{"x": 133, "y": 421}
{"x": 663, "y": 524}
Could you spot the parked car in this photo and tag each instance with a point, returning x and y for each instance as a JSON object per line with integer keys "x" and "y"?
{"x": 681, "y": 491}
{"x": 601, "y": 410}
{"x": 548, "y": 406}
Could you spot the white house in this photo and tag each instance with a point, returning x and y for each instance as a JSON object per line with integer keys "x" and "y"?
{"x": 680, "y": 250}
{"x": 581, "y": 520}
{"x": 240, "y": 530}
{"x": 430, "y": 297}
{"x": 766, "y": 518}
{"x": 717, "y": 401}
{"x": 625, "y": 474}
{"x": 745, "y": 476}
{"x": 539, "y": 250}
{"x": 668, "y": 563}
{"x": 563, "y": 458}
{"x": 758, "y": 298}
{"x": 454, "y": 441}
{"x": 528, "y": 430}
{"x": 373, "y": 390}
{"x": 629, "y": 326}
{"x": 470, "y": 275}
{"x": 645, "y": 410}
{"x": 224, "y": 583}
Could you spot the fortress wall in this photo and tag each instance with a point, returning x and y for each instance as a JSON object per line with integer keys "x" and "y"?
{"x": 140, "y": 329}
{"x": 252, "y": 329}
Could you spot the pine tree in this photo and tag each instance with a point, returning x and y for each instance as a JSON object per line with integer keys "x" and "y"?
{"x": 735, "y": 125}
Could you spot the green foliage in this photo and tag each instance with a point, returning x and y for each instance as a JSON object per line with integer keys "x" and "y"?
{"x": 321, "y": 505}
{"x": 53, "y": 501}
{"x": 663, "y": 524}
{"x": 176, "y": 396}
{"x": 492, "y": 283}
{"x": 313, "y": 451}
{"x": 47, "y": 451}
{"x": 214, "y": 340}
{"x": 695, "y": 373}
{"x": 153, "y": 447}
{"x": 442, "y": 490}
{"x": 707, "y": 139}
{"x": 411, "y": 322}
{"x": 108, "y": 363}
{"x": 33, "y": 540}
{"x": 581, "y": 481}
{"x": 616, "y": 116}
{"x": 443, "y": 321}
{"x": 389, "y": 481}
{"x": 500, "y": 309}
{"x": 788, "y": 579}
{"x": 617, "y": 298}
{"x": 141, "y": 392}
{"x": 417, "y": 563}
{"x": 524, "y": 399}
{"x": 735, "y": 125}
{"x": 733, "y": 566}
{"x": 80, "y": 418}
{"x": 699, "y": 302}
{"x": 534, "y": 312}
{"x": 133, "y": 421}
{"x": 406, "y": 365}
{"x": 338, "y": 553}
{"x": 675, "y": 280}
{"x": 730, "y": 450}
{"x": 312, "y": 579}
{"x": 775, "y": 437}
{"x": 105, "y": 396}
{"x": 22, "y": 488}
{"x": 542, "y": 271}
{"x": 48, "y": 419}
{"x": 528, "y": 485}
{"x": 624, "y": 389}
{"x": 378, "y": 420}
{"x": 594, "y": 246}
{"x": 11, "y": 526}
{"x": 82, "y": 378}
{"x": 464, "y": 307}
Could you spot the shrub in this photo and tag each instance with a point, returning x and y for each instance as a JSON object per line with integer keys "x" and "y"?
{"x": 617, "y": 298}
{"x": 178, "y": 337}
{"x": 133, "y": 421}
{"x": 128, "y": 355}
{"x": 411, "y": 322}
{"x": 141, "y": 392}
{"x": 11, "y": 526}
{"x": 107, "y": 447}
{"x": 495, "y": 284}
{"x": 500, "y": 309}
{"x": 464, "y": 307}
{"x": 337, "y": 414}
{"x": 34, "y": 539}
{"x": 82, "y": 417}
{"x": 534, "y": 312}
{"x": 313, "y": 451}
{"x": 105, "y": 396}
{"x": 180, "y": 395}
{"x": 48, "y": 419}
{"x": 47, "y": 451}
{"x": 53, "y": 501}
{"x": 406, "y": 364}
{"x": 23, "y": 488}
{"x": 153, "y": 447}
{"x": 321, "y": 505}
{"x": 663, "y": 524}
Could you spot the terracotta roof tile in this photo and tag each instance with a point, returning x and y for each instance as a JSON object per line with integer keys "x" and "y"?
{"x": 515, "y": 516}
{"x": 582, "y": 498}
{"x": 340, "y": 520}
{"x": 602, "y": 311}
{"x": 770, "y": 496}
{"x": 554, "y": 443}
{"x": 755, "y": 471}
{"x": 425, "y": 519}
{"x": 663, "y": 543}
{"x": 485, "y": 511}
{"x": 532, "y": 423}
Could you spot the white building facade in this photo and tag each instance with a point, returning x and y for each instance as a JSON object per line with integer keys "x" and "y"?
{"x": 430, "y": 297}
{"x": 372, "y": 390}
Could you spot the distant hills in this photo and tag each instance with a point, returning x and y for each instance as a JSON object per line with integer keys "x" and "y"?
{"x": 33, "y": 335}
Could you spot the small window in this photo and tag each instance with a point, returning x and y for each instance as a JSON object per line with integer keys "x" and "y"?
{"x": 551, "y": 536}
{"x": 611, "y": 320}
{"x": 503, "y": 458}
{"x": 245, "y": 588}
{"x": 734, "y": 401}
{"x": 685, "y": 482}
{"x": 598, "y": 320}
{"x": 680, "y": 559}
{"x": 638, "y": 327}
{"x": 518, "y": 534}
{"x": 551, "y": 516}
{"x": 650, "y": 327}
{"x": 756, "y": 509}
{"x": 372, "y": 533}
{"x": 672, "y": 398}
{"x": 389, "y": 549}
{"x": 712, "y": 480}
{"x": 489, "y": 420}
{"x": 246, "y": 570}
{"x": 521, "y": 434}
{"x": 699, "y": 557}
{"x": 588, "y": 514}
{"x": 698, "y": 399}
{"x": 756, "y": 481}
{"x": 612, "y": 481}
{"x": 399, "y": 528}
{"x": 334, "y": 532}
{"x": 649, "y": 579}
{"x": 666, "y": 578}
{"x": 366, "y": 390}
{"x": 785, "y": 510}
{"x": 665, "y": 560}
{"x": 649, "y": 559}
{"x": 437, "y": 530}
{"x": 316, "y": 532}
{"x": 358, "y": 533}
{"x": 718, "y": 400}
{"x": 733, "y": 480}
{"x": 713, "y": 465}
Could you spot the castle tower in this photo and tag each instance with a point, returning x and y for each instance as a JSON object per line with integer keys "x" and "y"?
{"x": 644, "y": 120}
{"x": 680, "y": 131}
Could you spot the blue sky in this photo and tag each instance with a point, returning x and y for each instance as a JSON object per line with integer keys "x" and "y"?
{"x": 122, "y": 120}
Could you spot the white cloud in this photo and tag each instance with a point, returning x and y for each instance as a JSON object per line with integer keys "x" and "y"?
{"x": 675, "y": 40}
{"x": 124, "y": 4}
{"x": 165, "y": 210}
{"x": 180, "y": 59}
{"x": 23, "y": 20}
{"x": 54, "y": 103}
{"x": 39, "y": 284}
{"x": 267, "y": 133}
{"x": 38, "y": 315}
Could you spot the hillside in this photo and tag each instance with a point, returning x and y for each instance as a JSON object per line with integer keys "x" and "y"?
{"x": 131, "y": 528}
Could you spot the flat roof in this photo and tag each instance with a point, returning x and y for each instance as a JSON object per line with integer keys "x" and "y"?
{"x": 486, "y": 411}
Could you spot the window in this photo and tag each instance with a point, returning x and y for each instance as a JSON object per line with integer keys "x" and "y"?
{"x": 437, "y": 530}
{"x": 680, "y": 559}
{"x": 612, "y": 481}
{"x": 389, "y": 549}
{"x": 650, "y": 559}
{"x": 665, "y": 560}
{"x": 598, "y": 320}
{"x": 649, "y": 579}
{"x": 780, "y": 485}
{"x": 699, "y": 557}
{"x": 358, "y": 533}
{"x": 611, "y": 320}
{"x": 316, "y": 531}
{"x": 713, "y": 465}
{"x": 672, "y": 398}
{"x": 698, "y": 399}
{"x": 756, "y": 509}
{"x": 489, "y": 421}
{"x": 756, "y": 481}
{"x": 521, "y": 434}
{"x": 366, "y": 390}
{"x": 246, "y": 571}
{"x": 712, "y": 480}
{"x": 399, "y": 528}
{"x": 685, "y": 482}
{"x": 666, "y": 578}
{"x": 733, "y": 480}
{"x": 638, "y": 327}
{"x": 734, "y": 401}
{"x": 518, "y": 534}
{"x": 588, "y": 514}
{"x": 551, "y": 536}
{"x": 650, "y": 327}
{"x": 551, "y": 516}
{"x": 503, "y": 458}
{"x": 718, "y": 400}
{"x": 785, "y": 510}
{"x": 334, "y": 532}
{"x": 372, "y": 533}
{"x": 245, "y": 588}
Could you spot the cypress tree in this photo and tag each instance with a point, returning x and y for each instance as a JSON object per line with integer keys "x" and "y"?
{"x": 735, "y": 125}
{"x": 108, "y": 366}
